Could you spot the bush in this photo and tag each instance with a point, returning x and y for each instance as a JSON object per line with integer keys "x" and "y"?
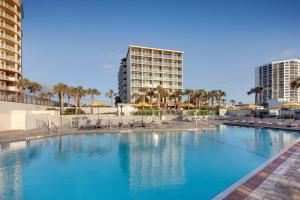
{"x": 71, "y": 111}
{"x": 52, "y": 109}
{"x": 203, "y": 112}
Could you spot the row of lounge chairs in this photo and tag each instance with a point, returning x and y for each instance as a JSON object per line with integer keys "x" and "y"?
{"x": 268, "y": 122}
{"x": 106, "y": 123}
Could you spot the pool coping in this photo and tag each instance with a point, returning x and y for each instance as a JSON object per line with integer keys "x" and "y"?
{"x": 232, "y": 188}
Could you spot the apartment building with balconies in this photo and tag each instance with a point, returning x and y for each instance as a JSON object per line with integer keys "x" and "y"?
{"x": 10, "y": 45}
{"x": 276, "y": 78}
{"x": 149, "y": 68}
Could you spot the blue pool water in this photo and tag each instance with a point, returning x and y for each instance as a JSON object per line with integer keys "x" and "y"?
{"x": 143, "y": 165}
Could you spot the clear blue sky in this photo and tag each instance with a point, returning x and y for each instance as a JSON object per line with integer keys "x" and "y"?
{"x": 81, "y": 42}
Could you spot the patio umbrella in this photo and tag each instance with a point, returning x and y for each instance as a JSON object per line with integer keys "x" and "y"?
{"x": 250, "y": 106}
{"x": 99, "y": 105}
{"x": 288, "y": 105}
{"x": 185, "y": 105}
{"x": 142, "y": 105}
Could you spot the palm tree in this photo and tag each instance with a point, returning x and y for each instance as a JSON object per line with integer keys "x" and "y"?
{"x": 160, "y": 92}
{"x": 144, "y": 92}
{"x": 200, "y": 94}
{"x": 223, "y": 102}
{"x": 110, "y": 94}
{"x": 81, "y": 93}
{"x": 69, "y": 94}
{"x": 60, "y": 89}
{"x": 256, "y": 90}
{"x": 232, "y": 101}
{"x": 218, "y": 95}
{"x": 177, "y": 96}
{"x": 189, "y": 93}
{"x": 295, "y": 84}
{"x": 93, "y": 92}
{"x": 34, "y": 87}
{"x": 23, "y": 84}
{"x": 74, "y": 92}
{"x": 151, "y": 94}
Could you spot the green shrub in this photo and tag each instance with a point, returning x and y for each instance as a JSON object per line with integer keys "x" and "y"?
{"x": 203, "y": 112}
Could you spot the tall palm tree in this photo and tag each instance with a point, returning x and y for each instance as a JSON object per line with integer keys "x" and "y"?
{"x": 81, "y": 93}
{"x": 256, "y": 90}
{"x": 223, "y": 102}
{"x": 34, "y": 87}
{"x": 60, "y": 89}
{"x": 110, "y": 94}
{"x": 69, "y": 94}
{"x": 144, "y": 92}
{"x": 218, "y": 95}
{"x": 199, "y": 95}
{"x": 160, "y": 93}
{"x": 232, "y": 101}
{"x": 189, "y": 93}
{"x": 295, "y": 84}
{"x": 74, "y": 92}
{"x": 177, "y": 96}
{"x": 23, "y": 84}
{"x": 93, "y": 92}
{"x": 151, "y": 94}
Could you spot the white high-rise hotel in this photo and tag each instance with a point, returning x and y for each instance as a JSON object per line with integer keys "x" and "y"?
{"x": 276, "y": 78}
{"x": 146, "y": 67}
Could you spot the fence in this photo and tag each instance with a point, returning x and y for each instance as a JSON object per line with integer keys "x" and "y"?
{"x": 28, "y": 99}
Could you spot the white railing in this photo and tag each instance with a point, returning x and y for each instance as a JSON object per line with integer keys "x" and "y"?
{"x": 10, "y": 58}
{"x": 9, "y": 48}
{"x": 10, "y": 7}
{"x": 9, "y": 68}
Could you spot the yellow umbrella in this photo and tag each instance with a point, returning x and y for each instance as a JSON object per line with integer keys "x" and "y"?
{"x": 250, "y": 106}
{"x": 185, "y": 105}
{"x": 142, "y": 105}
{"x": 99, "y": 105}
{"x": 288, "y": 105}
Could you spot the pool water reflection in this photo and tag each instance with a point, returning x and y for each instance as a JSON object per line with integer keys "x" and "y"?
{"x": 142, "y": 165}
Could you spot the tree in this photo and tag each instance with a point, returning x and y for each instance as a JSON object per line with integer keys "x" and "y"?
{"x": 218, "y": 95}
{"x": 111, "y": 94}
{"x": 223, "y": 102}
{"x": 93, "y": 92}
{"x": 144, "y": 92}
{"x": 151, "y": 94}
{"x": 81, "y": 93}
{"x": 189, "y": 93}
{"x": 256, "y": 90}
{"x": 177, "y": 95}
{"x": 23, "y": 84}
{"x": 199, "y": 96}
{"x": 60, "y": 89}
{"x": 160, "y": 92}
{"x": 232, "y": 101}
{"x": 295, "y": 84}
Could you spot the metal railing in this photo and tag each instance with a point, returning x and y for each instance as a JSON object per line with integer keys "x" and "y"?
{"x": 28, "y": 99}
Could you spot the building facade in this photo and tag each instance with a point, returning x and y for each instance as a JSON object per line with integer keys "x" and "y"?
{"x": 149, "y": 68}
{"x": 276, "y": 78}
{"x": 11, "y": 45}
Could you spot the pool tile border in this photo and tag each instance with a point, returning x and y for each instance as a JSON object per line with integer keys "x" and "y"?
{"x": 244, "y": 190}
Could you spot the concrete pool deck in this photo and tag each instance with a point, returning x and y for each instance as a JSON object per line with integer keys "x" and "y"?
{"x": 279, "y": 179}
{"x": 21, "y": 135}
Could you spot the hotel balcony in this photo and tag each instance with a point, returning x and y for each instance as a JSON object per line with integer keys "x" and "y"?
{"x": 9, "y": 68}
{"x": 9, "y": 48}
{"x": 10, "y": 7}
{"x": 10, "y": 58}
{"x": 8, "y": 78}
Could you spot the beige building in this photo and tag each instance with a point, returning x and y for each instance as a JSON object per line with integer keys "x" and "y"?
{"x": 276, "y": 78}
{"x": 146, "y": 67}
{"x": 11, "y": 45}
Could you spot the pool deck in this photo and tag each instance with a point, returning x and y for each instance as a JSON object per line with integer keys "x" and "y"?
{"x": 21, "y": 135}
{"x": 278, "y": 178}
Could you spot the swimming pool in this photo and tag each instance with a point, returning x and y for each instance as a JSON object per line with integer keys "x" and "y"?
{"x": 136, "y": 165}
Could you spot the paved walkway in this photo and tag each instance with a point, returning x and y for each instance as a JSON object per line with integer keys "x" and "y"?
{"x": 18, "y": 135}
{"x": 278, "y": 180}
